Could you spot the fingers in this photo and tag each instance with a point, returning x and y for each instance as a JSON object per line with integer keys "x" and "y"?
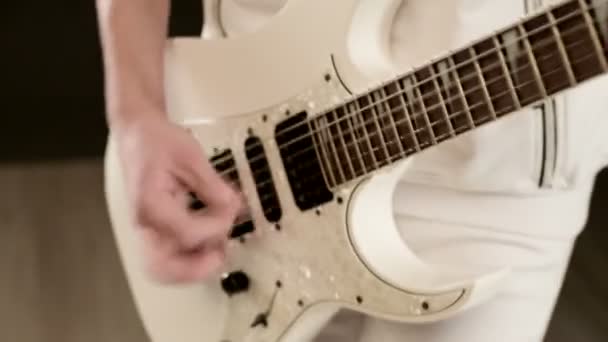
{"x": 166, "y": 262}
{"x": 210, "y": 187}
{"x": 185, "y": 245}
{"x": 168, "y": 214}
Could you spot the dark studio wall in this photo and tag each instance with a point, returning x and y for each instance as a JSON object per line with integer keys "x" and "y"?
{"x": 51, "y": 96}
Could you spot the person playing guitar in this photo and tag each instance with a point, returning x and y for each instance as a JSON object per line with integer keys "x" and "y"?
{"x": 513, "y": 195}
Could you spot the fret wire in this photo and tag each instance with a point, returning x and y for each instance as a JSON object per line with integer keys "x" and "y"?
{"x": 482, "y": 80}
{"x": 497, "y": 64}
{"x": 594, "y": 34}
{"x": 535, "y": 70}
{"x": 562, "y": 48}
{"x": 358, "y": 116}
{"x": 505, "y": 70}
{"x": 407, "y": 114}
{"x": 353, "y": 132}
{"x": 389, "y": 111}
{"x": 461, "y": 91}
{"x": 332, "y": 147}
{"x": 442, "y": 100}
{"x": 425, "y": 114}
{"x": 478, "y": 104}
{"x": 326, "y": 173}
{"x": 374, "y": 113}
{"x": 346, "y": 151}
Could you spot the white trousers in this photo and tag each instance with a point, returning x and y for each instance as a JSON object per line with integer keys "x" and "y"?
{"x": 538, "y": 256}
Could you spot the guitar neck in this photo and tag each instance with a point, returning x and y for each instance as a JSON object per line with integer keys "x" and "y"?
{"x": 540, "y": 56}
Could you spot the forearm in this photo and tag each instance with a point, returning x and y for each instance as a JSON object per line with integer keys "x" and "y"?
{"x": 133, "y": 35}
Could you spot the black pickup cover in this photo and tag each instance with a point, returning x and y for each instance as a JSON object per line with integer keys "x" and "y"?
{"x": 260, "y": 170}
{"x": 301, "y": 164}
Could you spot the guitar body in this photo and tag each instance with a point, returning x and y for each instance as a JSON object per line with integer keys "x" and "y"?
{"x": 346, "y": 253}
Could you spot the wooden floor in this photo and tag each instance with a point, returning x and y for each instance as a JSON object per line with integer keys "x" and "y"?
{"x": 60, "y": 279}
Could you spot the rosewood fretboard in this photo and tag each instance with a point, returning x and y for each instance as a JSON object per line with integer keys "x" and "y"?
{"x": 516, "y": 67}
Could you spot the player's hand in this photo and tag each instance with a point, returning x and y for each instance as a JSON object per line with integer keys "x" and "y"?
{"x": 162, "y": 164}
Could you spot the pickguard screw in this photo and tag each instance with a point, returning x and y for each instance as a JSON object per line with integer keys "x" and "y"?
{"x": 277, "y": 227}
{"x": 359, "y": 299}
{"x": 279, "y": 284}
{"x": 318, "y": 212}
{"x": 250, "y": 131}
{"x": 300, "y": 302}
{"x": 339, "y": 199}
{"x": 287, "y": 112}
{"x": 327, "y": 77}
{"x": 425, "y": 305}
{"x": 216, "y": 150}
{"x": 264, "y": 118}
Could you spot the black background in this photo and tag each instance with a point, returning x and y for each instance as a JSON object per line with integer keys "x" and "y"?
{"x": 52, "y": 80}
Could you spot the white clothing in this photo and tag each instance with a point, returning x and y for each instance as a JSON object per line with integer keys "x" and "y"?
{"x": 499, "y": 196}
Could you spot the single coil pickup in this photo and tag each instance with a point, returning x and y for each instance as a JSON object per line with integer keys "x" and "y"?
{"x": 301, "y": 163}
{"x": 225, "y": 165}
{"x": 262, "y": 177}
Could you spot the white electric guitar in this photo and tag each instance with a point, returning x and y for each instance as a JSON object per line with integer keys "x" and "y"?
{"x": 317, "y": 149}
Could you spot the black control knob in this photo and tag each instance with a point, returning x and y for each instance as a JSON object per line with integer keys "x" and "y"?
{"x": 235, "y": 282}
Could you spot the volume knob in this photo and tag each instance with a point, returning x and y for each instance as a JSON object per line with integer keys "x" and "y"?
{"x": 235, "y": 282}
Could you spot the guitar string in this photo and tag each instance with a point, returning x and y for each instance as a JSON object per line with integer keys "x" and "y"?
{"x": 267, "y": 181}
{"x": 433, "y": 93}
{"x": 418, "y": 114}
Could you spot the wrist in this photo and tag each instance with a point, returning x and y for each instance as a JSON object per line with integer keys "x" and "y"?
{"x": 133, "y": 96}
{"x": 125, "y": 118}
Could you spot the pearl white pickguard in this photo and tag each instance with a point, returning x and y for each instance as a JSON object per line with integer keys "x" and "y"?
{"x": 347, "y": 255}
